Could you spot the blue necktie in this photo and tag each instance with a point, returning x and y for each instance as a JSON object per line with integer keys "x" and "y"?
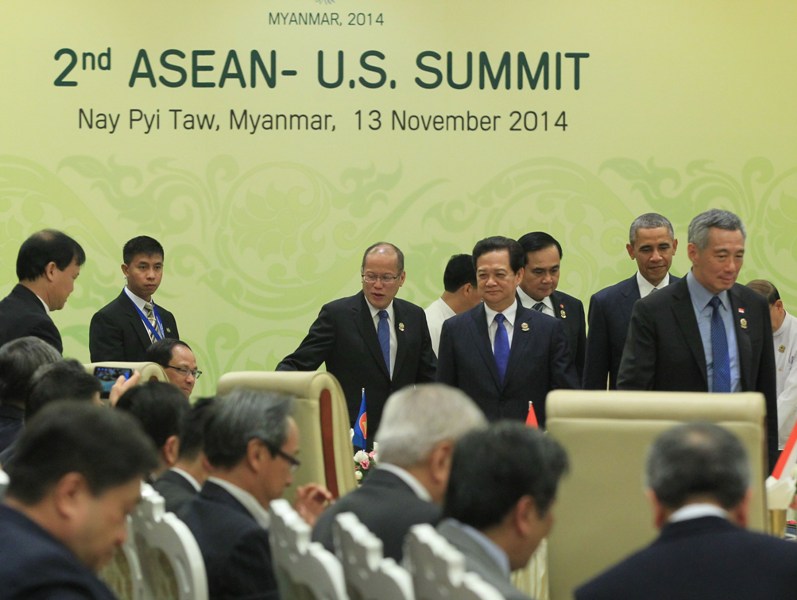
{"x": 538, "y": 307}
{"x": 721, "y": 380}
{"x": 501, "y": 346}
{"x": 383, "y": 333}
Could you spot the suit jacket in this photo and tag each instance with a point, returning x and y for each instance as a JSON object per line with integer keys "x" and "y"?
{"x": 386, "y": 506}
{"x": 116, "y": 332}
{"x": 701, "y": 558}
{"x": 176, "y": 490}
{"x": 609, "y": 315}
{"x": 478, "y": 561}
{"x": 664, "y": 350}
{"x": 570, "y": 311}
{"x": 22, "y": 313}
{"x": 344, "y": 338}
{"x": 539, "y": 361}
{"x": 34, "y": 565}
{"x": 234, "y": 546}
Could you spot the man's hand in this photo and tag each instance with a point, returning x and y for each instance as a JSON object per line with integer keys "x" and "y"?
{"x": 122, "y": 385}
{"x": 311, "y": 500}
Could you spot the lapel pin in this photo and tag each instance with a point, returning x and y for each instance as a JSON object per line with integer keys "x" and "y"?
{"x": 781, "y": 348}
{"x": 401, "y": 326}
{"x": 168, "y": 330}
{"x": 562, "y": 312}
{"x": 741, "y": 310}
{"x": 743, "y": 323}
{"x": 524, "y": 326}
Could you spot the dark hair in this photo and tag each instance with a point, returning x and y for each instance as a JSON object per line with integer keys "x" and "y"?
{"x": 44, "y": 247}
{"x": 700, "y": 226}
{"x": 106, "y": 446}
{"x": 373, "y": 247}
{"x": 459, "y": 271}
{"x": 192, "y": 427}
{"x": 19, "y": 360}
{"x": 142, "y": 244}
{"x": 766, "y": 288}
{"x": 63, "y": 380}
{"x": 517, "y": 258}
{"x": 695, "y": 460}
{"x": 493, "y": 468}
{"x": 649, "y": 221}
{"x": 158, "y": 406}
{"x": 538, "y": 240}
{"x": 241, "y": 416}
{"x": 161, "y": 351}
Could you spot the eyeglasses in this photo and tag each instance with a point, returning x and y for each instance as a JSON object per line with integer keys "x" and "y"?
{"x": 385, "y": 278}
{"x": 292, "y": 460}
{"x": 186, "y": 372}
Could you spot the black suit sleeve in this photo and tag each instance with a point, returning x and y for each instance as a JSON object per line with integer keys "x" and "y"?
{"x": 638, "y": 365}
{"x": 446, "y": 360}
{"x": 46, "y": 330}
{"x": 315, "y": 347}
{"x": 106, "y": 341}
{"x": 427, "y": 365}
{"x": 562, "y": 370}
{"x": 596, "y": 360}
{"x": 766, "y": 383}
{"x": 249, "y": 573}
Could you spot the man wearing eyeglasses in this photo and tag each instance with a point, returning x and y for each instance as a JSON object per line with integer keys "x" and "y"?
{"x": 179, "y": 362}
{"x": 371, "y": 341}
{"x": 251, "y": 443}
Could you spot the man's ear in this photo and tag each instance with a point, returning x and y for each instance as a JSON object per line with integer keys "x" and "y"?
{"x": 70, "y": 494}
{"x": 660, "y": 513}
{"x": 49, "y": 270}
{"x": 171, "y": 450}
{"x": 739, "y": 514}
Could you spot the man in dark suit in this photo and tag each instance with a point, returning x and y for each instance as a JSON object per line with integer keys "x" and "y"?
{"x": 537, "y": 290}
{"x": 501, "y": 354}
{"x": 652, "y": 245}
{"x": 180, "y": 484}
{"x": 252, "y": 442}
{"x": 65, "y": 509}
{"x": 123, "y": 329}
{"x": 705, "y": 333}
{"x": 499, "y": 503}
{"x": 698, "y": 477}
{"x": 47, "y": 265}
{"x": 372, "y": 340}
{"x": 419, "y": 428}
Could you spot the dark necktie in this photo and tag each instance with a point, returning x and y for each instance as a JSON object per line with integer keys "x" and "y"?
{"x": 383, "y": 333}
{"x": 538, "y": 307}
{"x": 721, "y": 380}
{"x": 150, "y": 314}
{"x": 501, "y": 346}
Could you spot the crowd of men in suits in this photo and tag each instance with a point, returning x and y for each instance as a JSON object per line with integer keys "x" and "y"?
{"x": 507, "y": 337}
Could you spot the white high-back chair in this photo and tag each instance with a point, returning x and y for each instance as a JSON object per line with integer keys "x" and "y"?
{"x": 304, "y": 569}
{"x": 438, "y": 569}
{"x": 123, "y": 573}
{"x": 369, "y": 575}
{"x": 170, "y": 559}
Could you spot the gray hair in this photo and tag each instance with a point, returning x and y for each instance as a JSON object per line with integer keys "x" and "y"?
{"x": 649, "y": 221}
{"x": 695, "y": 460}
{"x": 19, "y": 360}
{"x": 241, "y": 416}
{"x": 419, "y": 417}
{"x": 720, "y": 219}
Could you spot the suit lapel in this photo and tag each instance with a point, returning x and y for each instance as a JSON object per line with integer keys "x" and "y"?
{"x": 399, "y": 327}
{"x": 684, "y": 314}
{"x": 630, "y": 293}
{"x": 135, "y": 320}
{"x": 481, "y": 339}
{"x": 521, "y": 337}
{"x": 365, "y": 324}
{"x": 743, "y": 343}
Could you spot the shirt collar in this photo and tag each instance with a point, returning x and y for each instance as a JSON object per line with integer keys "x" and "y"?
{"x": 409, "y": 479}
{"x": 509, "y": 313}
{"x": 645, "y": 287}
{"x": 137, "y": 300}
{"x": 701, "y": 296}
{"x": 188, "y": 477}
{"x": 249, "y": 502}
{"x": 489, "y": 546}
{"x": 375, "y": 311}
{"x": 696, "y": 511}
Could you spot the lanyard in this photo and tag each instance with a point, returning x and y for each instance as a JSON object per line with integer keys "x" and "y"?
{"x": 157, "y": 332}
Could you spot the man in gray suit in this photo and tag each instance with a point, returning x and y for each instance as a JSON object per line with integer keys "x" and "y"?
{"x": 419, "y": 428}
{"x": 498, "y": 505}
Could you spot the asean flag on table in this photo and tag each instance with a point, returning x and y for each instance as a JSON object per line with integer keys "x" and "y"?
{"x": 360, "y": 436}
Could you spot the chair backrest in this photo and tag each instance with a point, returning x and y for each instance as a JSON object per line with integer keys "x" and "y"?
{"x": 3, "y": 483}
{"x": 323, "y": 421}
{"x": 369, "y": 575}
{"x": 304, "y": 569}
{"x": 170, "y": 559}
{"x": 602, "y": 514}
{"x": 123, "y": 573}
{"x": 438, "y": 569}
